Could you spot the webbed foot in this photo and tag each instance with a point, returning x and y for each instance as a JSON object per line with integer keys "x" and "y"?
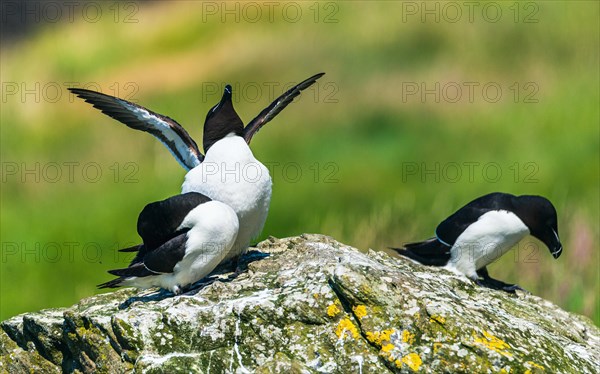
{"x": 485, "y": 280}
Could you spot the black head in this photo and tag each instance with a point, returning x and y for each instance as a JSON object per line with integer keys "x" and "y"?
{"x": 221, "y": 121}
{"x": 539, "y": 215}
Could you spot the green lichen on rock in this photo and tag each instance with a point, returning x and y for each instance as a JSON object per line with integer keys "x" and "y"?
{"x": 307, "y": 304}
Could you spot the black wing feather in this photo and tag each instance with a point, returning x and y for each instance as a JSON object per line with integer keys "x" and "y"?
{"x": 134, "y": 248}
{"x": 111, "y": 283}
{"x": 451, "y": 228}
{"x": 158, "y": 222}
{"x": 277, "y": 106}
{"x": 164, "y": 258}
{"x": 166, "y": 129}
{"x": 135, "y": 270}
{"x": 161, "y": 260}
{"x": 429, "y": 252}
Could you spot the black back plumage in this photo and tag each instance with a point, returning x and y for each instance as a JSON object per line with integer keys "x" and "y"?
{"x": 451, "y": 228}
{"x": 158, "y": 221}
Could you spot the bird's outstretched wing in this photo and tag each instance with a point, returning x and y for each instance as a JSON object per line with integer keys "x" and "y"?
{"x": 277, "y": 106}
{"x": 166, "y": 129}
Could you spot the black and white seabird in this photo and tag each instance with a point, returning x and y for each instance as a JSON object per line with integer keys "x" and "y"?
{"x": 229, "y": 172}
{"x": 482, "y": 231}
{"x": 184, "y": 238}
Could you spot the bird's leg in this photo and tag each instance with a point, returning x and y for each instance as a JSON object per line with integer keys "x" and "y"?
{"x": 238, "y": 270}
{"x": 193, "y": 288}
{"x": 230, "y": 266}
{"x": 486, "y": 281}
{"x": 225, "y": 267}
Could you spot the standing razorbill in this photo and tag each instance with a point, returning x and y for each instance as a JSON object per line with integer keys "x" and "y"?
{"x": 482, "y": 231}
{"x": 184, "y": 238}
{"x": 229, "y": 172}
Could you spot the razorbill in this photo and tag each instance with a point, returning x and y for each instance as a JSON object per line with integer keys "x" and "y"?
{"x": 184, "y": 238}
{"x": 229, "y": 172}
{"x": 482, "y": 231}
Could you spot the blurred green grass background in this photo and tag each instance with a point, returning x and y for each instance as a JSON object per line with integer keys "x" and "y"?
{"x": 358, "y": 156}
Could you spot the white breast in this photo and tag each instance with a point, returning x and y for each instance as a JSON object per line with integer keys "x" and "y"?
{"x": 486, "y": 240}
{"x": 230, "y": 174}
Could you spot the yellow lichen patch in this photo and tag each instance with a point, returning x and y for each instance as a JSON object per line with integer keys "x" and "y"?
{"x": 378, "y": 337}
{"x": 346, "y": 328}
{"x": 360, "y": 311}
{"x": 531, "y": 363}
{"x": 386, "y": 351}
{"x": 333, "y": 310}
{"x": 493, "y": 343}
{"x": 436, "y": 318}
{"x": 413, "y": 361}
{"x": 436, "y": 347}
{"x": 408, "y": 337}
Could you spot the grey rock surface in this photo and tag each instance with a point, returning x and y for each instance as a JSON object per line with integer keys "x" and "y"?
{"x": 307, "y": 304}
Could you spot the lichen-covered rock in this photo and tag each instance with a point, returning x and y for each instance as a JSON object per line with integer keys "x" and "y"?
{"x": 308, "y": 304}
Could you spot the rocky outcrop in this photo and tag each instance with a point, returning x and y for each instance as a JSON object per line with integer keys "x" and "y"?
{"x": 308, "y": 304}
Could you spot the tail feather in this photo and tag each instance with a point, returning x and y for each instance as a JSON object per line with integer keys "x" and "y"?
{"x": 112, "y": 284}
{"x": 134, "y": 248}
{"x": 134, "y": 270}
{"x": 429, "y": 252}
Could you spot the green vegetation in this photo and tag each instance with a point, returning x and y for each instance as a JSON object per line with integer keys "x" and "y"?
{"x": 381, "y": 160}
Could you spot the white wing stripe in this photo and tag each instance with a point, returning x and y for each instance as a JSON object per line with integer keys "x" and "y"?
{"x": 184, "y": 154}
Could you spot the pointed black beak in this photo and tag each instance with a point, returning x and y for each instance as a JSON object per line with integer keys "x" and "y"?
{"x": 226, "y": 98}
{"x": 550, "y": 238}
{"x": 226, "y": 94}
{"x": 554, "y": 245}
